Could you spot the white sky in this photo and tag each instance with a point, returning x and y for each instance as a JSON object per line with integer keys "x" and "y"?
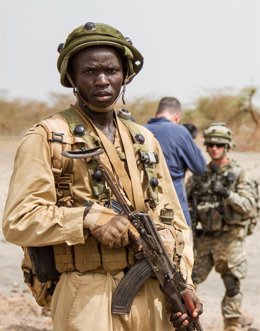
{"x": 189, "y": 46}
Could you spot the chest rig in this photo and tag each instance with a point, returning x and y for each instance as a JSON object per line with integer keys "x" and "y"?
{"x": 227, "y": 177}
{"x": 213, "y": 213}
{"x": 72, "y": 134}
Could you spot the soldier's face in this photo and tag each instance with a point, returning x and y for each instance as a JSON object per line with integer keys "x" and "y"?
{"x": 216, "y": 151}
{"x": 97, "y": 72}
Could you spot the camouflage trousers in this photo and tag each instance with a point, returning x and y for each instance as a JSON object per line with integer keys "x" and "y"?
{"x": 226, "y": 253}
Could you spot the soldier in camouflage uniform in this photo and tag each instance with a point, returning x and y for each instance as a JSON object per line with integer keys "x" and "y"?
{"x": 221, "y": 202}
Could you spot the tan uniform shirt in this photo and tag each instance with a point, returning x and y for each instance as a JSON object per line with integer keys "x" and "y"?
{"x": 31, "y": 216}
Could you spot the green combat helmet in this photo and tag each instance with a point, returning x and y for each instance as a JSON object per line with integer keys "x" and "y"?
{"x": 218, "y": 133}
{"x": 92, "y": 34}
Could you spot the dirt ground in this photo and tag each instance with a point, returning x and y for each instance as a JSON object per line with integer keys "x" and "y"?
{"x": 19, "y": 312}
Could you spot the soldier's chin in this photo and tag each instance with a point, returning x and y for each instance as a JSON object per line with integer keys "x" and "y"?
{"x": 217, "y": 158}
{"x": 98, "y": 109}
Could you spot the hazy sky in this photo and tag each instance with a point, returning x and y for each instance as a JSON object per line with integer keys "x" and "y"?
{"x": 189, "y": 46}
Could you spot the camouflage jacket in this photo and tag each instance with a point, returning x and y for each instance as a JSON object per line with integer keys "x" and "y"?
{"x": 213, "y": 213}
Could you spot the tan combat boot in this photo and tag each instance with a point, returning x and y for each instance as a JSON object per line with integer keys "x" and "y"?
{"x": 232, "y": 324}
{"x": 243, "y": 323}
{"x": 246, "y": 321}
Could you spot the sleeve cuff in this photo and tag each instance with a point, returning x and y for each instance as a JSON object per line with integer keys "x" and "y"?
{"x": 73, "y": 226}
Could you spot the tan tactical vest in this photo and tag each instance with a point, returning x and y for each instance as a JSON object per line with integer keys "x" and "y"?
{"x": 91, "y": 255}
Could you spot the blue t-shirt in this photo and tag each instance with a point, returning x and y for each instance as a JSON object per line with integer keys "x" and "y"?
{"x": 181, "y": 154}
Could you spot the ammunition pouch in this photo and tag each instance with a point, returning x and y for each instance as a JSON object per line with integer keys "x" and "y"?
{"x": 179, "y": 247}
{"x": 42, "y": 279}
{"x": 232, "y": 217}
{"x": 91, "y": 256}
{"x": 43, "y": 262}
{"x": 210, "y": 217}
{"x": 215, "y": 218}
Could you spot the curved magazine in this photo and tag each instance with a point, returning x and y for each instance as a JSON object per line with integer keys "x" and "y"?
{"x": 129, "y": 286}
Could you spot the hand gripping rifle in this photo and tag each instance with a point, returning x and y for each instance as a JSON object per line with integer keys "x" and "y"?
{"x": 152, "y": 260}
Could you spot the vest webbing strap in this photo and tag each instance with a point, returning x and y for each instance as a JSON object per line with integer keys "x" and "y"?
{"x": 117, "y": 166}
{"x": 143, "y": 147}
{"x": 132, "y": 168}
{"x": 55, "y": 131}
{"x": 61, "y": 167}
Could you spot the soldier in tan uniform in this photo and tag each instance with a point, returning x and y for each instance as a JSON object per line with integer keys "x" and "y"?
{"x": 221, "y": 202}
{"x": 64, "y": 206}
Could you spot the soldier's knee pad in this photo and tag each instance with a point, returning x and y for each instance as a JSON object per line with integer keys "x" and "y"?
{"x": 232, "y": 284}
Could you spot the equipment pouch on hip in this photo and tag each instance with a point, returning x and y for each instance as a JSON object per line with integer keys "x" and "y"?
{"x": 43, "y": 262}
{"x": 210, "y": 218}
{"x": 43, "y": 289}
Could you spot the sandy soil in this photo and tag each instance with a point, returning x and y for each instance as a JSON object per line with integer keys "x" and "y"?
{"x": 18, "y": 311}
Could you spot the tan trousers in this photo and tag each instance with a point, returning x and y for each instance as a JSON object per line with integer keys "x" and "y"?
{"x": 82, "y": 302}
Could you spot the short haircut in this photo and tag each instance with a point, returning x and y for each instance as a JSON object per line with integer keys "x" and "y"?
{"x": 172, "y": 105}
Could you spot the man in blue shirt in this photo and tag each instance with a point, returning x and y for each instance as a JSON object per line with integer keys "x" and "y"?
{"x": 179, "y": 149}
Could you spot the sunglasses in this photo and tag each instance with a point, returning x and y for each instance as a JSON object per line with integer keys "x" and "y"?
{"x": 217, "y": 145}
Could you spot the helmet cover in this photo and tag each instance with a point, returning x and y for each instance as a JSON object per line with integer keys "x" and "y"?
{"x": 218, "y": 133}
{"x": 93, "y": 34}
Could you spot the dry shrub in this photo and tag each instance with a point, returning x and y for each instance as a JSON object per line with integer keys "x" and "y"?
{"x": 236, "y": 110}
{"x": 18, "y": 115}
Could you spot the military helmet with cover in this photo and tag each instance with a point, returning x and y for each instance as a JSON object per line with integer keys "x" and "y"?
{"x": 93, "y": 34}
{"x": 218, "y": 133}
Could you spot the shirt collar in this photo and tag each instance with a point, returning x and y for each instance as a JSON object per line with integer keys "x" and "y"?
{"x": 158, "y": 119}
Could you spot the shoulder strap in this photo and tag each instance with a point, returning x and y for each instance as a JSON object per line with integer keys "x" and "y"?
{"x": 59, "y": 136}
{"x": 147, "y": 155}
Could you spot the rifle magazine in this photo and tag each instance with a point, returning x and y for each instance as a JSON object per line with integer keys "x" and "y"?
{"x": 129, "y": 286}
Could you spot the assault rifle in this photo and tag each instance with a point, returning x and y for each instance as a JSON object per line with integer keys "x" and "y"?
{"x": 152, "y": 260}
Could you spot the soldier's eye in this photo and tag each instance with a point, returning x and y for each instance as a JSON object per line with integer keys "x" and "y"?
{"x": 89, "y": 71}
